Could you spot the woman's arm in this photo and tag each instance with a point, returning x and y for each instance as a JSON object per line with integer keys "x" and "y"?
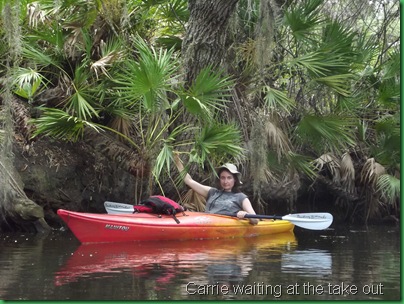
{"x": 194, "y": 185}
{"x": 247, "y": 208}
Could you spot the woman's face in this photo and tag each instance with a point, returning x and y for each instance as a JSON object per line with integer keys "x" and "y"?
{"x": 226, "y": 180}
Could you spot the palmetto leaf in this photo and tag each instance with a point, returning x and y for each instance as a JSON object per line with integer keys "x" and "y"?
{"x": 277, "y": 100}
{"x": 371, "y": 171}
{"x": 59, "y": 124}
{"x": 303, "y": 19}
{"x": 207, "y": 94}
{"x": 331, "y": 162}
{"x": 174, "y": 11}
{"x": 166, "y": 153}
{"x": 80, "y": 102}
{"x": 302, "y": 164}
{"x": 389, "y": 187}
{"x": 318, "y": 63}
{"x": 39, "y": 57}
{"x": 27, "y": 82}
{"x": 339, "y": 83}
{"x": 347, "y": 173}
{"x": 218, "y": 139}
{"x": 111, "y": 52}
{"x": 327, "y": 133}
{"x": 148, "y": 79}
{"x": 276, "y": 138}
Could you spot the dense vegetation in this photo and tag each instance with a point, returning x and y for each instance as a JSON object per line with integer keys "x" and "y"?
{"x": 303, "y": 94}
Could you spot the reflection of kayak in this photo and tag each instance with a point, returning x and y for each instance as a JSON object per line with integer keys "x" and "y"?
{"x": 140, "y": 258}
{"x": 97, "y": 228}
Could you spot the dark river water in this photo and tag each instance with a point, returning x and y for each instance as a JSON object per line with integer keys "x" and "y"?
{"x": 340, "y": 263}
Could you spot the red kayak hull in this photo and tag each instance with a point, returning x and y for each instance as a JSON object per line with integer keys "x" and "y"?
{"x": 105, "y": 228}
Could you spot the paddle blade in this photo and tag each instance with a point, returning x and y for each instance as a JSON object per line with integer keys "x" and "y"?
{"x": 313, "y": 221}
{"x": 118, "y": 208}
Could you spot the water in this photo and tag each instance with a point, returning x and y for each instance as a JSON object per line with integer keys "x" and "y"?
{"x": 334, "y": 264}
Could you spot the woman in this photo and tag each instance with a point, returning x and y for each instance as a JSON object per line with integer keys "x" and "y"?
{"x": 226, "y": 200}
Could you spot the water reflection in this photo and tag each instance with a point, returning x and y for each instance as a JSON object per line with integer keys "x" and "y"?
{"x": 317, "y": 266}
{"x": 310, "y": 263}
{"x": 227, "y": 261}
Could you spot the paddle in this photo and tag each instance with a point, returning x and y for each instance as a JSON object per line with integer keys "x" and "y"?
{"x": 313, "y": 221}
{"x": 118, "y": 208}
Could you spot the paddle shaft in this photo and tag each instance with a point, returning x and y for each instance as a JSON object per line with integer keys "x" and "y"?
{"x": 266, "y": 217}
{"x": 312, "y": 221}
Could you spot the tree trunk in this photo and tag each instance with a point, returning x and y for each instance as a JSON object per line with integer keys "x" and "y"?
{"x": 204, "y": 43}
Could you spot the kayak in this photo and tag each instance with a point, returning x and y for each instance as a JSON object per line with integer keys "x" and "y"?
{"x": 173, "y": 258}
{"x": 105, "y": 228}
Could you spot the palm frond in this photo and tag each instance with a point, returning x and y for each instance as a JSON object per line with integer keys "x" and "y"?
{"x": 339, "y": 83}
{"x": 111, "y": 52}
{"x": 387, "y": 124}
{"x": 27, "y": 82}
{"x": 389, "y": 187}
{"x": 39, "y": 57}
{"x": 371, "y": 171}
{"x": 174, "y": 12}
{"x": 330, "y": 132}
{"x": 301, "y": 163}
{"x": 221, "y": 140}
{"x": 303, "y": 19}
{"x": 277, "y": 100}
{"x": 386, "y": 146}
{"x": 330, "y": 162}
{"x": 163, "y": 159}
{"x": 389, "y": 93}
{"x": 122, "y": 124}
{"x": 166, "y": 153}
{"x": 80, "y": 102}
{"x": 148, "y": 79}
{"x": 319, "y": 63}
{"x": 207, "y": 94}
{"x": 276, "y": 139}
{"x": 194, "y": 201}
{"x": 347, "y": 171}
{"x": 391, "y": 66}
{"x": 59, "y": 124}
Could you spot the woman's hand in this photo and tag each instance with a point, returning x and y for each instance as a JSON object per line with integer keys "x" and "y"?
{"x": 241, "y": 214}
{"x": 178, "y": 162}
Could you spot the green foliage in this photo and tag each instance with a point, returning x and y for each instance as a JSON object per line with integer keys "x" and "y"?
{"x": 331, "y": 78}
{"x": 326, "y": 133}
{"x": 147, "y": 79}
{"x": 58, "y": 124}
{"x": 220, "y": 140}
{"x": 389, "y": 188}
{"x": 166, "y": 152}
{"x": 207, "y": 94}
{"x": 304, "y": 20}
{"x": 276, "y": 100}
{"x": 27, "y": 82}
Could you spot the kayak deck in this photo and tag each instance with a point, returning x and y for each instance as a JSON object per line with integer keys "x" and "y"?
{"x": 99, "y": 228}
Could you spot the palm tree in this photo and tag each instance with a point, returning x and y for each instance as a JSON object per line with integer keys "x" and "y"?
{"x": 312, "y": 96}
{"x": 311, "y": 92}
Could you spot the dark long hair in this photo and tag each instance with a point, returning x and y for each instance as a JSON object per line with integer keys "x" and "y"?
{"x": 237, "y": 184}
